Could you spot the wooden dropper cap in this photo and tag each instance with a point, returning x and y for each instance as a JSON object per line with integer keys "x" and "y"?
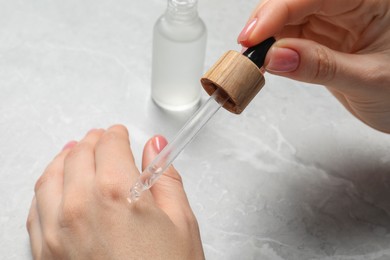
{"x": 238, "y": 76}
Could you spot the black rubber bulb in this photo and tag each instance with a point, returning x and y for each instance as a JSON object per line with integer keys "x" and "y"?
{"x": 258, "y": 52}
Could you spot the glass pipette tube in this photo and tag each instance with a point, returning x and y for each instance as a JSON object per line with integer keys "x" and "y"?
{"x": 165, "y": 158}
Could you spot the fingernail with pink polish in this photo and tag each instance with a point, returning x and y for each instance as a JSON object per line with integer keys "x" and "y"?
{"x": 159, "y": 142}
{"x": 246, "y": 32}
{"x": 282, "y": 60}
{"x": 69, "y": 145}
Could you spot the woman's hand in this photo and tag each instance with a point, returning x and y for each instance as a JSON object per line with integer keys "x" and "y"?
{"x": 80, "y": 209}
{"x": 342, "y": 44}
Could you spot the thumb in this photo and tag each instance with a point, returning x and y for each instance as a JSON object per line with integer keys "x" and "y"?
{"x": 308, "y": 61}
{"x": 168, "y": 192}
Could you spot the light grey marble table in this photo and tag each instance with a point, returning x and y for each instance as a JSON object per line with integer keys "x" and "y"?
{"x": 294, "y": 177}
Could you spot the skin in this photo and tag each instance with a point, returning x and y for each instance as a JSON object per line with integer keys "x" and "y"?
{"x": 343, "y": 45}
{"x": 80, "y": 210}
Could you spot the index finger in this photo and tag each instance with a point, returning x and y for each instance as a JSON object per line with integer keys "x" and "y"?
{"x": 271, "y": 16}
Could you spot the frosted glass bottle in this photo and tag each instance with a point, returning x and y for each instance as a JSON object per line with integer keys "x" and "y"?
{"x": 179, "y": 44}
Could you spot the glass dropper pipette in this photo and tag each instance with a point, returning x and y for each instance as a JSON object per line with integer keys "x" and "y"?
{"x": 165, "y": 158}
{"x": 232, "y": 82}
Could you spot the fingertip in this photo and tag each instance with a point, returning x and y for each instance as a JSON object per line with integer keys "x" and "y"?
{"x": 247, "y": 31}
{"x": 119, "y": 128}
{"x": 152, "y": 148}
{"x": 270, "y": 17}
{"x": 158, "y": 143}
{"x": 282, "y": 60}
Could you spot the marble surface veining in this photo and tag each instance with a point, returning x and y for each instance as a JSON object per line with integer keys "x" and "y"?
{"x": 294, "y": 177}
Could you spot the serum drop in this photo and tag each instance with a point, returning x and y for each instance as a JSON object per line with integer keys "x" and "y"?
{"x": 179, "y": 44}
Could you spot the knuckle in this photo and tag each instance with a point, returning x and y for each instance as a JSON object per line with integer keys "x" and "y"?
{"x": 109, "y": 137}
{"x": 191, "y": 223}
{"x": 378, "y": 75}
{"x": 174, "y": 175}
{"x": 326, "y": 66}
{"x": 111, "y": 188}
{"x": 72, "y": 214}
{"x": 30, "y": 221}
{"x": 118, "y": 131}
{"x": 119, "y": 128}
{"x": 95, "y": 132}
{"x": 114, "y": 134}
{"x": 45, "y": 177}
{"x": 171, "y": 177}
{"x": 51, "y": 243}
{"x": 191, "y": 220}
{"x": 78, "y": 150}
